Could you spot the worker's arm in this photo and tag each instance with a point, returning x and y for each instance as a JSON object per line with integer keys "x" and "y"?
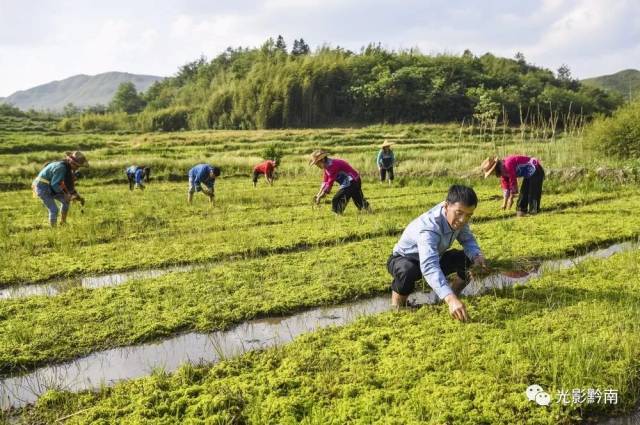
{"x": 325, "y": 188}
{"x": 76, "y": 197}
{"x": 321, "y": 194}
{"x": 432, "y": 272}
{"x": 469, "y": 243}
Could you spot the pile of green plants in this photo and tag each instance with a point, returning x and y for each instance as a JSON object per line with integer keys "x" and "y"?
{"x": 326, "y": 269}
{"x": 573, "y": 329}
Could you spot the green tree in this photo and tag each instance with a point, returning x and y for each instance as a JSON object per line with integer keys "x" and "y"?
{"x": 265, "y": 87}
{"x": 281, "y": 45}
{"x": 70, "y": 110}
{"x": 127, "y": 99}
{"x": 300, "y": 48}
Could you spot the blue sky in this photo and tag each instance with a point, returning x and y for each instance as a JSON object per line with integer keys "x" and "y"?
{"x": 42, "y": 41}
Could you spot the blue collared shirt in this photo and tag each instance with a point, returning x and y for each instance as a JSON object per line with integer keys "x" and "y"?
{"x": 427, "y": 238}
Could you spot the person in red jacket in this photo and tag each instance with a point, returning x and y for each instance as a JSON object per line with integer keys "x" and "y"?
{"x": 509, "y": 169}
{"x": 267, "y": 168}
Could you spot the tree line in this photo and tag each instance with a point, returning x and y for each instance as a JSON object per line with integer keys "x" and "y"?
{"x": 275, "y": 87}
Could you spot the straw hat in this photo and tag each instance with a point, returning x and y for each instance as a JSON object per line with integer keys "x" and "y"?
{"x": 387, "y": 144}
{"x": 316, "y": 156}
{"x": 488, "y": 165}
{"x": 77, "y": 158}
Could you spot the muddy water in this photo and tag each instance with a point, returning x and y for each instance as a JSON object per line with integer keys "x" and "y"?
{"x": 108, "y": 367}
{"x": 92, "y": 282}
{"x": 632, "y": 419}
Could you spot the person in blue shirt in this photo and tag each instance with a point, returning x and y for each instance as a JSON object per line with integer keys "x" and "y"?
{"x": 137, "y": 176}
{"x": 56, "y": 182}
{"x": 423, "y": 251}
{"x": 203, "y": 175}
{"x": 385, "y": 161}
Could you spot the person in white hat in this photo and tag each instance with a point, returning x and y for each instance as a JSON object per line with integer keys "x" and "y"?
{"x": 56, "y": 182}
{"x": 338, "y": 170}
{"x": 385, "y": 161}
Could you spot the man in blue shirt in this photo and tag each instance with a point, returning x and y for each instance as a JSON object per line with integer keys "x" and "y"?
{"x": 203, "y": 175}
{"x": 137, "y": 175}
{"x": 423, "y": 251}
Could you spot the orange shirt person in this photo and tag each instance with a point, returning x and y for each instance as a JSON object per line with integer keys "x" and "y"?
{"x": 267, "y": 168}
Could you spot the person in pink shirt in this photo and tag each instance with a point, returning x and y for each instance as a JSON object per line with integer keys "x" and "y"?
{"x": 338, "y": 170}
{"x": 509, "y": 169}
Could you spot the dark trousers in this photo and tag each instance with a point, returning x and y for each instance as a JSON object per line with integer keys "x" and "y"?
{"x": 256, "y": 174}
{"x": 383, "y": 174}
{"x": 353, "y": 191}
{"x": 531, "y": 192}
{"x": 131, "y": 179}
{"x": 406, "y": 270}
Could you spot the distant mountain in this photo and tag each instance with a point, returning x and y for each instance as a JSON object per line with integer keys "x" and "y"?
{"x": 626, "y": 82}
{"x": 81, "y": 90}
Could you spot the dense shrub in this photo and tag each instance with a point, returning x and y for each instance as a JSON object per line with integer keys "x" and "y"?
{"x": 106, "y": 122}
{"x": 618, "y": 135}
{"x": 168, "y": 119}
{"x": 67, "y": 124}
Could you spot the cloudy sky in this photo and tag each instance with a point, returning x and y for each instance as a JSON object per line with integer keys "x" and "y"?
{"x": 41, "y": 41}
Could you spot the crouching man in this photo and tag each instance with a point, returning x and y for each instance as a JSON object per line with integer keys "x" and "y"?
{"x": 424, "y": 251}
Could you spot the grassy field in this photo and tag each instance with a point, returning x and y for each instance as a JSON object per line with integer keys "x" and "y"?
{"x": 570, "y": 329}
{"x": 266, "y": 251}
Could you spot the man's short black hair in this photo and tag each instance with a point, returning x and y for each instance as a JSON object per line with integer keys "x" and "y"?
{"x": 463, "y": 194}
{"x": 216, "y": 171}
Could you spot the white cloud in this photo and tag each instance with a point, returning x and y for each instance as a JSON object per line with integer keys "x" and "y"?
{"x": 54, "y": 40}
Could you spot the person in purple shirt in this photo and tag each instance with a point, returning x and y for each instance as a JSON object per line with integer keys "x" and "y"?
{"x": 424, "y": 251}
{"x": 338, "y": 170}
{"x": 509, "y": 169}
{"x": 203, "y": 175}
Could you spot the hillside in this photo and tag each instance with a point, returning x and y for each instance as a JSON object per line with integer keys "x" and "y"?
{"x": 81, "y": 90}
{"x": 626, "y": 83}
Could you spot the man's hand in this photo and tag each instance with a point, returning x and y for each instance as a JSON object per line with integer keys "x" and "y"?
{"x": 479, "y": 268}
{"x": 457, "y": 309}
{"x": 480, "y": 261}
